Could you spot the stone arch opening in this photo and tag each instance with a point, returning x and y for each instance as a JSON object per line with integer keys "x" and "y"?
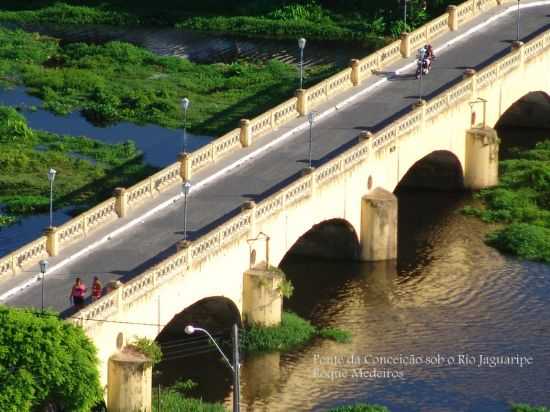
{"x": 532, "y": 111}
{"x": 440, "y": 170}
{"x": 333, "y": 239}
{"x": 193, "y": 356}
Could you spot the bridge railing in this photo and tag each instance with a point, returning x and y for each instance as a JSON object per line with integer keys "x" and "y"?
{"x": 303, "y": 187}
{"x": 208, "y": 155}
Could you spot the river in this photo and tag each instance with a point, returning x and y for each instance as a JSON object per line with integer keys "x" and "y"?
{"x": 448, "y": 294}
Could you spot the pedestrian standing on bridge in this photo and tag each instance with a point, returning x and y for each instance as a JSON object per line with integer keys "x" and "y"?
{"x": 77, "y": 293}
{"x": 96, "y": 289}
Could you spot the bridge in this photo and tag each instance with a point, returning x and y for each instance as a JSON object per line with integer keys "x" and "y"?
{"x": 254, "y": 197}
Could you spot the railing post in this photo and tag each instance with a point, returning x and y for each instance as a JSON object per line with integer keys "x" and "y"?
{"x": 355, "y": 80}
{"x": 13, "y": 263}
{"x": 471, "y": 74}
{"x": 301, "y": 105}
{"x": 185, "y": 166}
{"x": 52, "y": 246}
{"x": 246, "y": 133}
{"x": 453, "y": 17}
{"x": 250, "y": 205}
{"x": 405, "y": 46}
{"x": 517, "y": 46}
{"x": 121, "y": 203}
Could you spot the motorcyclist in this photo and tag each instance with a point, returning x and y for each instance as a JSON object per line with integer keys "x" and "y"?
{"x": 423, "y": 62}
{"x": 429, "y": 54}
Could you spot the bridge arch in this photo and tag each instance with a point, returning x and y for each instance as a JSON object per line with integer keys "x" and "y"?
{"x": 334, "y": 238}
{"x": 531, "y": 110}
{"x": 439, "y": 170}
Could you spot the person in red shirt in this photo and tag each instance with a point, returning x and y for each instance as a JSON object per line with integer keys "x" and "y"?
{"x": 96, "y": 289}
{"x": 77, "y": 293}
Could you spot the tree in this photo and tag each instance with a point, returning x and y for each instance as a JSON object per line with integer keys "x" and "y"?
{"x": 45, "y": 360}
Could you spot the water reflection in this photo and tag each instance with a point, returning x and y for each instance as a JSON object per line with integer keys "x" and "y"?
{"x": 207, "y": 47}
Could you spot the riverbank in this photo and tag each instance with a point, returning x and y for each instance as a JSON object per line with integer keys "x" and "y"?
{"x": 522, "y": 203}
{"x": 87, "y": 170}
{"x": 118, "y": 81}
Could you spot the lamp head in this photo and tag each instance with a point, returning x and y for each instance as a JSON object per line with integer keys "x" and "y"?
{"x": 185, "y": 103}
{"x": 51, "y": 174}
{"x": 43, "y": 266}
{"x": 189, "y": 329}
{"x": 301, "y": 43}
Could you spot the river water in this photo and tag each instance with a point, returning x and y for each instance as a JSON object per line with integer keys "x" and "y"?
{"x": 449, "y": 299}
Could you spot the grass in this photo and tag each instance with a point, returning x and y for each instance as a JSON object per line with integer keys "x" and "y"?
{"x": 173, "y": 401}
{"x": 293, "y": 332}
{"x": 118, "y": 81}
{"x": 522, "y": 203}
{"x": 87, "y": 170}
{"x": 528, "y": 408}
{"x": 360, "y": 407}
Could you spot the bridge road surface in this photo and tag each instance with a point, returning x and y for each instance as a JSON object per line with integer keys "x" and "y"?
{"x": 140, "y": 247}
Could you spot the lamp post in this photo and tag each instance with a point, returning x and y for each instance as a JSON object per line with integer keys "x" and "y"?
{"x": 184, "y": 105}
{"x": 405, "y": 13}
{"x": 51, "y": 178}
{"x": 517, "y": 23}
{"x": 43, "y": 269}
{"x": 235, "y": 368}
{"x": 186, "y": 189}
{"x": 310, "y": 119}
{"x": 301, "y": 45}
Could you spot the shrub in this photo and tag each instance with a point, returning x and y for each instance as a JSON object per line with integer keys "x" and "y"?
{"x": 360, "y": 407}
{"x": 44, "y": 359}
{"x": 523, "y": 240}
{"x": 149, "y": 348}
{"x": 527, "y": 408}
{"x": 335, "y": 334}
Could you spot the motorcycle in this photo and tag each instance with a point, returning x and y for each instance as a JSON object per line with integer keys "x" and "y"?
{"x": 422, "y": 67}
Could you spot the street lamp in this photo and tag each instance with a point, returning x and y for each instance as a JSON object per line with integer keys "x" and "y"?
{"x": 184, "y": 106}
{"x": 235, "y": 368}
{"x": 43, "y": 269}
{"x": 51, "y": 178}
{"x": 186, "y": 190}
{"x": 310, "y": 119}
{"x": 517, "y": 23}
{"x": 301, "y": 45}
{"x": 405, "y": 14}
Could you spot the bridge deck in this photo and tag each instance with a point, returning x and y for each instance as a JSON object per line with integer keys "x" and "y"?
{"x": 153, "y": 238}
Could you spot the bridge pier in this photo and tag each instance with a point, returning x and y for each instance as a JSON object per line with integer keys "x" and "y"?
{"x": 481, "y": 165}
{"x": 262, "y": 299}
{"x": 378, "y": 226}
{"x": 129, "y": 382}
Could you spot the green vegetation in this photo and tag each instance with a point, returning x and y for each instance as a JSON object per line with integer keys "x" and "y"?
{"x": 522, "y": 202}
{"x": 149, "y": 348}
{"x": 335, "y": 334}
{"x": 360, "y": 407}
{"x": 527, "y": 408}
{"x": 87, "y": 170}
{"x": 118, "y": 81}
{"x": 291, "y": 333}
{"x": 174, "y": 399}
{"x": 314, "y": 19}
{"x": 45, "y": 360}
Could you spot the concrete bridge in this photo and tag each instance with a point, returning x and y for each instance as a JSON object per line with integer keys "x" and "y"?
{"x": 372, "y": 133}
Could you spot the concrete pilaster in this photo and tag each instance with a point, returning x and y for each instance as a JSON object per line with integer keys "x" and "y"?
{"x": 262, "y": 299}
{"x": 302, "y": 105}
{"x": 355, "y": 72}
{"x": 185, "y": 166}
{"x": 481, "y": 166}
{"x": 52, "y": 246}
{"x": 246, "y": 133}
{"x": 129, "y": 382}
{"x": 378, "y": 226}
{"x": 405, "y": 45}
{"x": 121, "y": 204}
{"x": 453, "y": 17}
{"x": 250, "y": 205}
